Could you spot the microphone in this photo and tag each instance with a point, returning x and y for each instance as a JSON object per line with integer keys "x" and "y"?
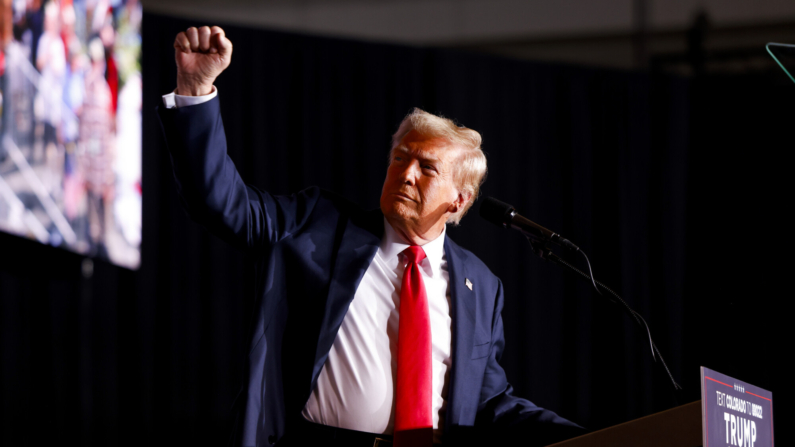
{"x": 504, "y": 215}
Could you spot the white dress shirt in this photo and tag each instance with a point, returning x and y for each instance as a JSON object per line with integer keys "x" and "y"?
{"x": 355, "y": 388}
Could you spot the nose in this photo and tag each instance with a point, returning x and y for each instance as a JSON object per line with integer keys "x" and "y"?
{"x": 408, "y": 174}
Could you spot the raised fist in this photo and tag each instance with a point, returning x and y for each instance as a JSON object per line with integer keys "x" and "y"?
{"x": 201, "y": 55}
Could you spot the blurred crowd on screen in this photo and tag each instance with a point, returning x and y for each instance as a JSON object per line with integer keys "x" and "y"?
{"x": 71, "y": 99}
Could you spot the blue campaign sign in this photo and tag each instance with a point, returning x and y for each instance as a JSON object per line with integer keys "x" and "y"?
{"x": 735, "y": 413}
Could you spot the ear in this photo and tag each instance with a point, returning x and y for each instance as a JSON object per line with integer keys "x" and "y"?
{"x": 460, "y": 201}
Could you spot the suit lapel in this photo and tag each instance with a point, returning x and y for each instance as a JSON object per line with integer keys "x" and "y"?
{"x": 463, "y": 315}
{"x": 358, "y": 245}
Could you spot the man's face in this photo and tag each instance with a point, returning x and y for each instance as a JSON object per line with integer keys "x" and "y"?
{"x": 419, "y": 189}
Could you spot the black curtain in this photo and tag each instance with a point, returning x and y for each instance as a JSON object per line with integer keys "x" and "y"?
{"x": 676, "y": 189}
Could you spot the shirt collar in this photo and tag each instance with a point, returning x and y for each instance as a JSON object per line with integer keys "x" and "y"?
{"x": 392, "y": 245}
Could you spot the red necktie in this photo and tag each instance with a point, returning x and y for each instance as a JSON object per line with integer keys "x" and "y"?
{"x": 414, "y": 388}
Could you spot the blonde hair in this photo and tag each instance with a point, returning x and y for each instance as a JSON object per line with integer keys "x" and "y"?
{"x": 469, "y": 170}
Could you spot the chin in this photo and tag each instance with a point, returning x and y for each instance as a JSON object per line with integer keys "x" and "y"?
{"x": 395, "y": 209}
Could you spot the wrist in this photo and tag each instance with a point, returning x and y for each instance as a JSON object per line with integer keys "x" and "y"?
{"x": 187, "y": 88}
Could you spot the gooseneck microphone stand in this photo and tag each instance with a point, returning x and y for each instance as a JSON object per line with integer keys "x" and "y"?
{"x": 504, "y": 215}
{"x": 543, "y": 251}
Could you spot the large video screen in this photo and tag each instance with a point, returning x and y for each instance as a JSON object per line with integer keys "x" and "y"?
{"x": 70, "y": 135}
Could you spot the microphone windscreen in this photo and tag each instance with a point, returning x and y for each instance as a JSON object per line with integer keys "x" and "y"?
{"x": 496, "y": 212}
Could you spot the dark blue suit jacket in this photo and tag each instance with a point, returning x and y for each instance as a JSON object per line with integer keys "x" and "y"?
{"x": 312, "y": 249}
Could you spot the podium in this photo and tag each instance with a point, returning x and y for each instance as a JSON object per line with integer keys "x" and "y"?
{"x": 677, "y": 427}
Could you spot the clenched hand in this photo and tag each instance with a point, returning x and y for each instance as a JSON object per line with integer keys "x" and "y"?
{"x": 201, "y": 55}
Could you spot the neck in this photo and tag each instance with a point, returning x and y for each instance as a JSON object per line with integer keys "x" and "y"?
{"x": 416, "y": 235}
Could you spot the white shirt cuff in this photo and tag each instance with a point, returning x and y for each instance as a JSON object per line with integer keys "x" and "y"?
{"x": 173, "y": 101}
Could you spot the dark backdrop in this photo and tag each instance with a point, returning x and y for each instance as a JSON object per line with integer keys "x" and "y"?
{"x": 676, "y": 188}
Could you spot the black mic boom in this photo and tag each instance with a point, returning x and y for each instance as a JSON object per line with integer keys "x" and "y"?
{"x": 504, "y": 215}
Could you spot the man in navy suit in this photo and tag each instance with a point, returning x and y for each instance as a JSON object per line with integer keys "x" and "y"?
{"x": 368, "y": 324}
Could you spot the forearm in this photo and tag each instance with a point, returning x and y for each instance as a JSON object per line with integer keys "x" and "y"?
{"x": 212, "y": 190}
{"x": 207, "y": 179}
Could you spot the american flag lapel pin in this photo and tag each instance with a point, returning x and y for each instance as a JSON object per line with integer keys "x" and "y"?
{"x": 469, "y": 284}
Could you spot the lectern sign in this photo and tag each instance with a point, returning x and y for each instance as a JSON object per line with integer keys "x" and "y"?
{"x": 735, "y": 413}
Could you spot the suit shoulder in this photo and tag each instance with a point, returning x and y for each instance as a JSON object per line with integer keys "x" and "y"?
{"x": 341, "y": 204}
{"x": 331, "y": 205}
{"x": 318, "y": 194}
{"x": 471, "y": 262}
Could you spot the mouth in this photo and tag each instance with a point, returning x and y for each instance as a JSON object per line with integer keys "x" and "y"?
{"x": 403, "y": 196}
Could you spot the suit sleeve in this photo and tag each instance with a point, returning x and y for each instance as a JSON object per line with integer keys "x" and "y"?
{"x": 504, "y": 415}
{"x": 211, "y": 189}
